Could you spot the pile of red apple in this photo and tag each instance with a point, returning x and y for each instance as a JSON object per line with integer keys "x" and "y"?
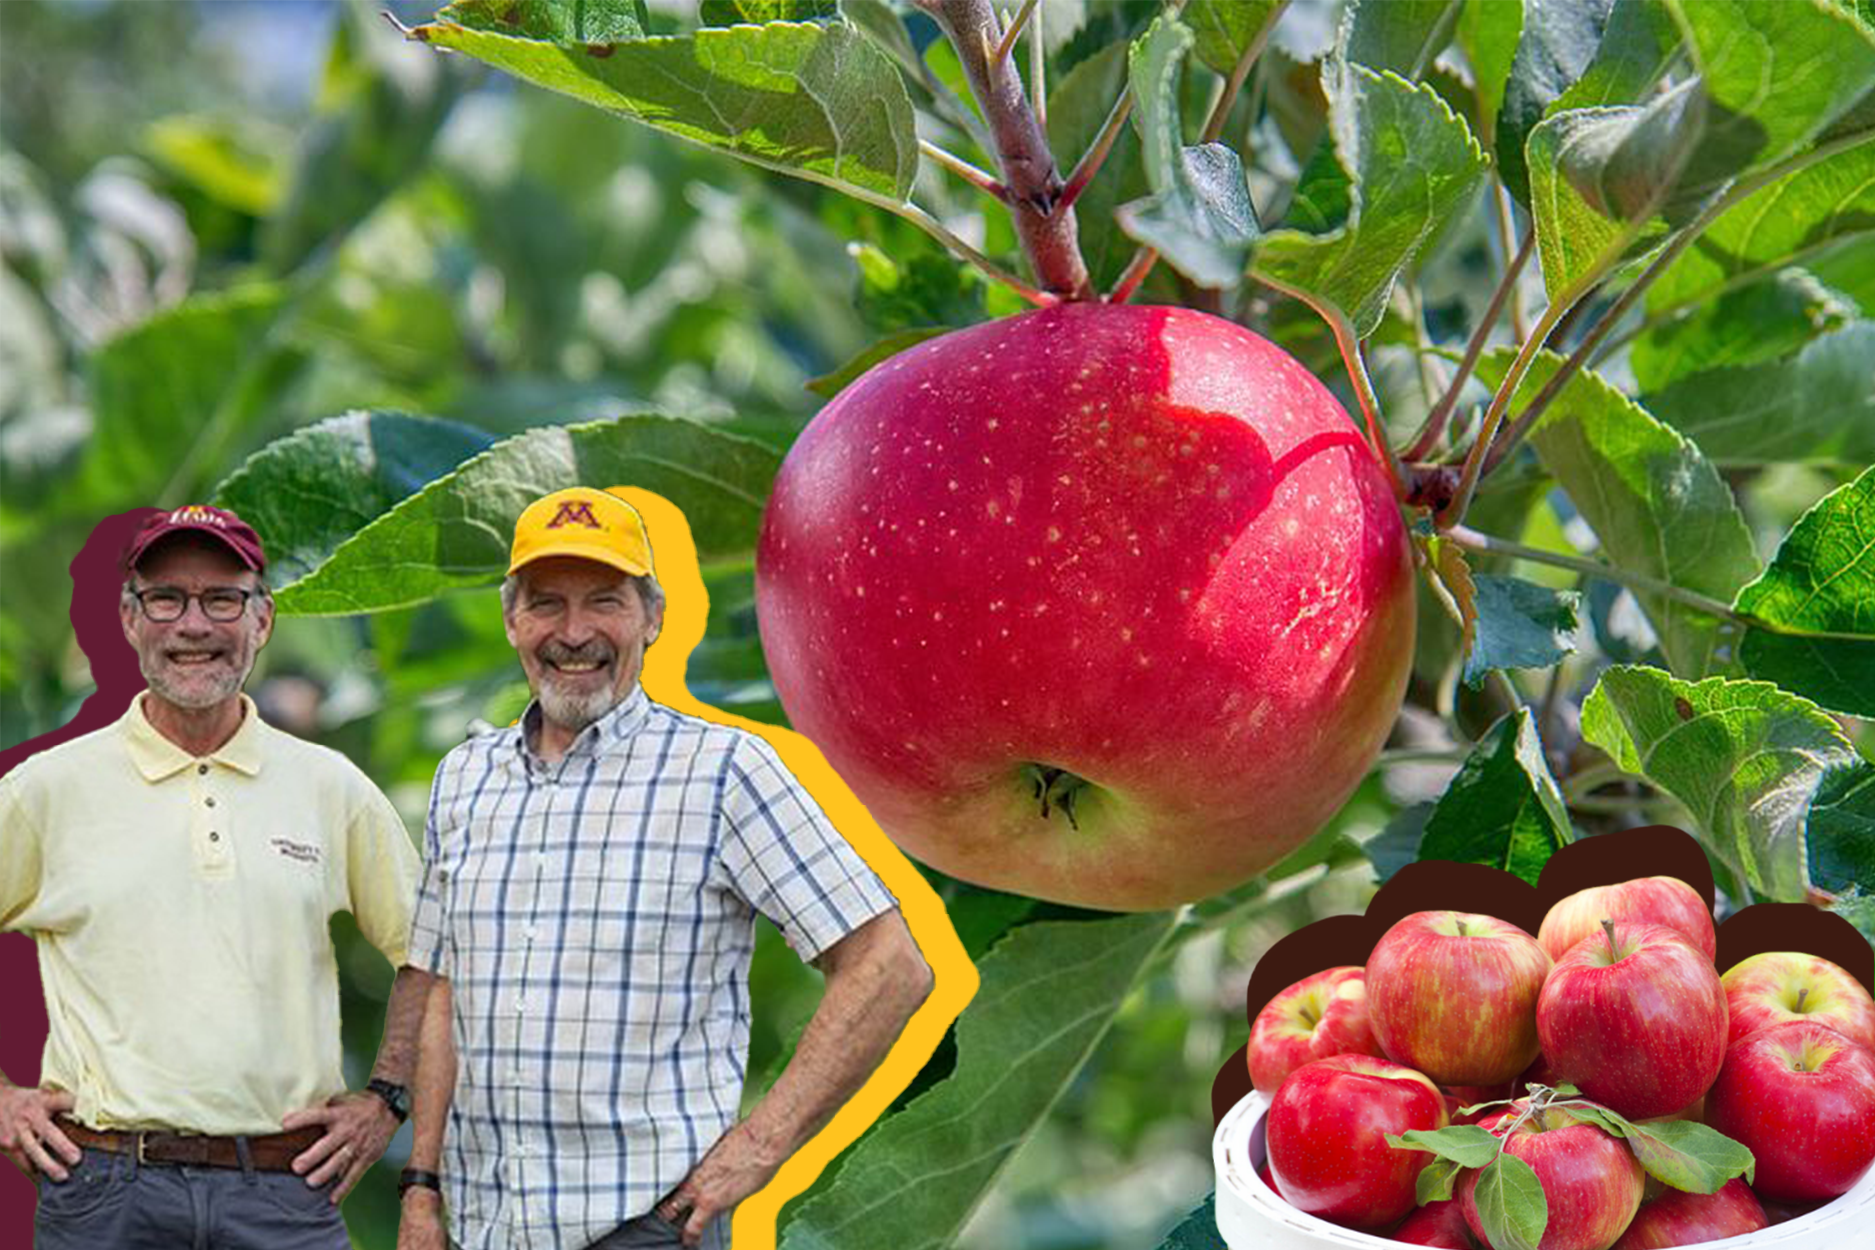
{"x": 1586, "y": 1088}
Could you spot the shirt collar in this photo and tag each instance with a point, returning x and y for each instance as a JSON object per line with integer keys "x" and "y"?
{"x": 619, "y": 723}
{"x": 156, "y": 757}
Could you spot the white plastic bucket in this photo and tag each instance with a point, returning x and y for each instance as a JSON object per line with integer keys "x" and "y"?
{"x": 1251, "y": 1216}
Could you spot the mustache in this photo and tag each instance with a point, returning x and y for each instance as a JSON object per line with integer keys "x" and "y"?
{"x": 594, "y": 652}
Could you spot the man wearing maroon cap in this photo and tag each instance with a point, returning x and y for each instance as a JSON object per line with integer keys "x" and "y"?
{"x": 178, "y": 870}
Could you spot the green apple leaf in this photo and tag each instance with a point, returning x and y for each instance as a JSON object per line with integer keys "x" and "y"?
{"x": 1078, "y": 105}
{"x": 1197, "y": 1231}
{"x": 1520, "y": 625}
{"x": 828, "y": 385}
{"x": 1412, "y": 162}
{"x": 1399, "y": 35}
{"x": 1049, "y": 992}
{"x": 1778, "y": 73}
{"x": 1199, "y": 216}
{"x": 1793, "y": 219}
{"x": 1558, "y": 42}
{"x": 1818, "y": 406}
{"x": 1226, "y": 29}
{"x": 1746, "y": 758}
{"x": 761, "y": 12}
{"x": 1858, "y": 908}
{"x": 310, "y": 491}
{"x": 1816, "y": 602}
{"x": 167, "y": 396}
{"x": 821, "y": 102}
{"x": 455, "y": 531}
{"x": 1464, "y": 1144}
{"x": 1503, "y": 808}
{"x": 1688, "y": 1155}
{"x": 1638, "y": 46}
{"x": 1841, "y": 830}
{"x": 1758, "y": 324}
{"x": 1657, "y": 505}
{"x": 555, "y": 21}
{"x": 1488, "y": 31}
{"x": 1599, "y": 176}
{"x": 1436, "y": 1181}
{"x": 1511, "y": 1204}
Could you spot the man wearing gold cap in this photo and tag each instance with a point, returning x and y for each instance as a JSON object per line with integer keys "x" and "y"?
{"x": 593, "y": 875}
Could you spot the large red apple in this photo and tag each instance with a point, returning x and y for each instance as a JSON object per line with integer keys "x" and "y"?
{"x": 1778, "y": 987}
{"x": 1674, "y": 1217}
{"x": 1327, "y": 1138}
{"x": 1105, "y": 604}
{"x": 1318, "y": 1016}
{"x": 1436, "y": 1224}
{"x": 1454, "y": 995}
{"x": 1647, "y": 900}
{"x": 1635, "y": 1018}
{"x": 1801, "y": 1098}
{"x": 1592, "y": 1181}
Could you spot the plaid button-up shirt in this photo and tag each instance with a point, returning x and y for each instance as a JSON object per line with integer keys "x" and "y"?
{"x": 595, "y": 917}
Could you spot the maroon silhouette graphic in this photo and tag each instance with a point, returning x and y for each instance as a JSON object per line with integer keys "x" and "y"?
{"x": 97, "y": 583}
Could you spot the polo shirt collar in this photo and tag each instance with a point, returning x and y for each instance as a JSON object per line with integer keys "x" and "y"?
{"x": 616, "y": 725}
{"x": 156, "y": 757}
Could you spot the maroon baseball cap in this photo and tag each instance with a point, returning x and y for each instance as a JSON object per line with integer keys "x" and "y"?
{"x": 218, "y": 523}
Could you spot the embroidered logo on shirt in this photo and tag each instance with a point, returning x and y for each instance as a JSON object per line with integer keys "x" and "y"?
{"x": 304, "y": 852}
{"x": 575, "y": 512}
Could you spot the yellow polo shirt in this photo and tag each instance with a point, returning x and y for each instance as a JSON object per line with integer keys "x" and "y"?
{"x": 181, "y": 908}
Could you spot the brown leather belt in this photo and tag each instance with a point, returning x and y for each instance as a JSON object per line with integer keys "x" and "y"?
{"x": 274, "y": 1152}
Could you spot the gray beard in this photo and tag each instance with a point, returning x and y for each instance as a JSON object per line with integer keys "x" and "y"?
{"x": 571, "y": 712}
{"x": 205, "y": 697}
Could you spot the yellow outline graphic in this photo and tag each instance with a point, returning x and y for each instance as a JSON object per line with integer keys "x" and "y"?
{"x": 686, "y": 611}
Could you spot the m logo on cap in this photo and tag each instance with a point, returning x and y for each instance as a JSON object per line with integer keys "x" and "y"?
{"x": 574, "y": 512}
{"x": 196, "y": 514}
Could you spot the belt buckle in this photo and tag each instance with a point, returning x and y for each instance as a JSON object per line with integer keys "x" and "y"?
{"x": 142, "y": 1139}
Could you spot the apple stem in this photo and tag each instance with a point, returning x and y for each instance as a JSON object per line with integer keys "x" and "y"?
{"x": 1801, "y": 995}
{"x": 1049, "y": 238}
{"x": 1608, "y": 928}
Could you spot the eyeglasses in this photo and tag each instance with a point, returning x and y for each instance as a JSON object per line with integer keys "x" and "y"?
{"x": 163, "y": 604}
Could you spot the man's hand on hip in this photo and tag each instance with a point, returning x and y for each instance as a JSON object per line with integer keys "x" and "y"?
{"x": 420, "y": 1227}
{"x": 736, "y": 1166}
{"x": 357, "y": 1129}
{"x": 29, "y": 1138}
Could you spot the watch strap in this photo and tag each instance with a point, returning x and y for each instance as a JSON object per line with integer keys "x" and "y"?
{"x": 417, "y": 1178}
{"x": 394, "y": 1096}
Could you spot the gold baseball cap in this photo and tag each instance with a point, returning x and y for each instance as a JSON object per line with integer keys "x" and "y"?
{"x": 584, "y": 523}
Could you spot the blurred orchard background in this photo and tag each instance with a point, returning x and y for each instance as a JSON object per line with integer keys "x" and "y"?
{"x": 221, "y": 222}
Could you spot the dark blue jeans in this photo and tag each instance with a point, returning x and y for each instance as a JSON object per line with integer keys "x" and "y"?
{"x": 113, "y": 1203}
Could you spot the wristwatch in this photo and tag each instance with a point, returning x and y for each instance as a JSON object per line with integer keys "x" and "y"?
{"x": 417, "y": 1178}
{"x": 395, "y": 1096}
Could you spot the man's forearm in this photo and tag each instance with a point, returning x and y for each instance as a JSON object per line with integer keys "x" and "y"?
{"x": 876, "y": 979}
{"x": 403, "y": 1019}
{"x": 435, "y": 1083}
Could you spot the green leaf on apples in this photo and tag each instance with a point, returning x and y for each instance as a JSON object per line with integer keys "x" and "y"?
{"x": 1227, "y": 29}
{"x": 1816, "y": 602}
{"x": 1412, "y": 164}
{"x": 1199, "y": 216}
{"x": 1858, "y": 908}
{"x": 1464, "y": 1144}
{"x": 1688, "y": 1155}
{"x": 1078, "y": 104}
{"x": 1759, "y": 324}
{"x": 1797, "y": 217}
{"x": 1503, "y": 808}
{"x": 1655, "y": 502}
{"x": 1436, "y": 1181}
{"x": 821, "y": 102}
{"x": 1557, "y": 43}
{"x": 1404, "y": 36}
{"x": 1638, "y": 46}
{"x": 1777, "y": 74}
{"x": 453, "y": 532}
{"x": 1511, "y": 1204}
{"x": 1197, "y": 1231}
{"x": 759, "y": 12}
{"x": 312, "y": 490}
{"x": 1049, "y": 992}
{"x": 1598, "y": 179}
{"x": 1488, "y": 31}
{"x": 555, "y": 21}
{"x": 1746, "y": 758}
{"x": 827, "y": 385}
{"x": 1841, "y": 831}
{"x": 1817, "y": 406}
{"x": 1520, "y": 625}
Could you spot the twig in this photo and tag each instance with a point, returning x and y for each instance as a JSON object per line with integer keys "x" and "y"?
{"x": 1434, "y": 428}
{"x": 1014, "y": 30}
{"x": 1028, "y": 167}
{"x": 964, "y": 169}
{"x": 1135, "y": 273}
{"x": 1519, "y": 327}
{"x": 1096, "y": 155}
{"x": 1472, "y": 540}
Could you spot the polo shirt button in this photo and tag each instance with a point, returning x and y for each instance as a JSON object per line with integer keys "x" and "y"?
{"x": 209, "y": 802}
{"x": 202, "y": 769}
{"x": 214, "y": 836}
